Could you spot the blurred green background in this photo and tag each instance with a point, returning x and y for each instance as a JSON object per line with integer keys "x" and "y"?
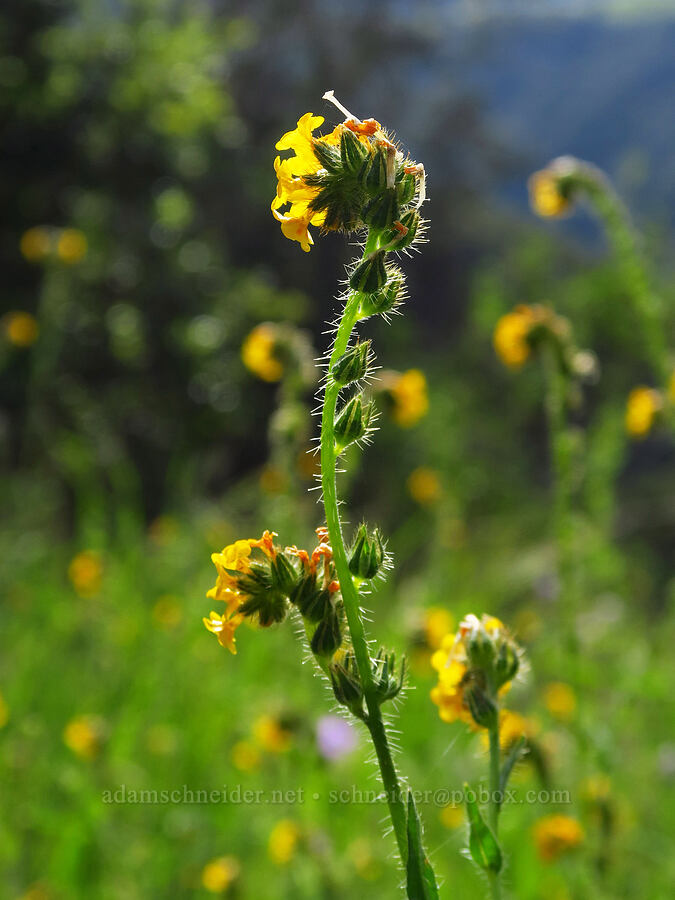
{"x": 138, "y": 253}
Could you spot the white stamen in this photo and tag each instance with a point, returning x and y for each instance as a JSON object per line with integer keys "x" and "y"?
{"x": 330, "y": 96}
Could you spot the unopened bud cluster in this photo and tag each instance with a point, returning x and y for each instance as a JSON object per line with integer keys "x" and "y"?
{"x": 387, "y": 678}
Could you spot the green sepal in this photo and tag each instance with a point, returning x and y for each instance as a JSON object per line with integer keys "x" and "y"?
{"x": 268, "y": 608}
{"x": 483, "y": 709}
{"x": 374, "y": 171}
{"x": 327, "y": 637}
{"x": 284, "y": 574}
{"x": 420, "y": 878}
{"x": 405, "y": 189}
{"x": 346, "y": 683}
{"x": 370, "y": 275}
{"x": 327, "y": 155}
{"x": 386, "y": 299}
{"x": 367, "y": 554}
{"x": 483, "y": 845}
{"x": 409, "y": 220}
{"x": 353, "y": 152}
{"x": 351, "y": 422}
{"x": 312, "y": 601}
{"x": 352, "y": 366}
{"x": 382, "y": 211}
{"x": 387, "y": 683}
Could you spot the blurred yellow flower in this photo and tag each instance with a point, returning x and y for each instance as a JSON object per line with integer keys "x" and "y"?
{"x": 555, "y": 835}
{"x": 220, "y": 873}
{"x": 364, "y": 860}
{"x": 35, "y": 243}
{"x": 511, "y": 333}
{"x": 84, "y": 736}
{"x": 410, "y": 398}
{"x": 270, "y": 735}
{"x": 245, "y": 756}
{"x": 512, "y": 726}
{"x": 4, "y": 711}
{"x": 671, "y": 389}
{"x": 257, "y": 353}
{"x": 437, "y": 623}
{"x": 283, "y": 842}
{"x": 37, "y": 891}
{"x": 71, "y": 246}
{"x": 424, "y": 485}
{"x": 596, "y": 788}
{"x": 452, "y": 816}
{"x": 21, "y": 328}
{"x": 167, "y": 611}
{"x": 641, "y": 408}
{"x": 560, "y": 700}
{"x": 546, "y": 198}
{"x": 86, "y": 573}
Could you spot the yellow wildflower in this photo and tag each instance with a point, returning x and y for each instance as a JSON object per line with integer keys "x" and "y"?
{"x": 560, "y": 700}
{"x": 641, "y": 408}
{"x": 218, "y": 875}
{"x": 511, "y": 334}
{"x": 291, "y": 188}
{"x": 35, "y": 244}
{"x": 555, "y": 835}
{"x": 224, "y": 628}
{"x": 671, "y": 389}
{"x": 546, "y": 198}
{"x": 455, "y": 666}
{"x": 71, "y": 246}
{"x": 283, "y": 842}
{"x": 424, "y": 485}
{"x": 596, "y": 788}
{"x": 4, "y": 712}
{"x": 21, "y": 328}
{"x": 257, "y": 353}
{"x": 271, "y": 735}
{"x": 410, "y": 398}
{"x": 86, "y": 573}
{"x": 84, "y": 736}
{"x": 245, "y": 756}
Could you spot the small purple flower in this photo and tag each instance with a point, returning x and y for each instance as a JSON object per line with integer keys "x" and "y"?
{"x": 335, "y": 737}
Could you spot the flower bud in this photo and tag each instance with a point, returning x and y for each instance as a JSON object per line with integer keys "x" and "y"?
{"x": 367, "y": 554}
{"x": 387, "y": 683}
{"x": 382, "y": 211}
{"x": 327, "y": 155}
{"x": 327, "y": 637}
{"x": 353, "y": 365}
{"x": 346, "y": 682}
{"x": 284, "y": 575}
{"x": 313, "y": 602}
{"x": 369, "y": 275}
{"x": 351, "y": 423}
{"x": 405, "y": 189}
{"x": 374, "y": 171}
{"x": 410, "y": 221}
{"x": 353, "y": 152}
{"x": 483, "y": 709}
{"x": 385, "y": 299}
{"x": 263, "y": 600}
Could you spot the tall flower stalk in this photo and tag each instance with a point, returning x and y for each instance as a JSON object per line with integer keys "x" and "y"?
{"x": 355, "y": 180}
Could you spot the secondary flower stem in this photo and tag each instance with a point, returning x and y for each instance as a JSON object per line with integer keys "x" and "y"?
{"x": 493, "y": 808}
{"x": 349, "y": 592}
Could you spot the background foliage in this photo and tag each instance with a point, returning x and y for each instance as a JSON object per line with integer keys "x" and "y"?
{"x": 137, "y": 140}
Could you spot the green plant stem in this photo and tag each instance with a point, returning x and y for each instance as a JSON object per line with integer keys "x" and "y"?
{"x": 348, "y": 590}
{"x": 493, "y": 807}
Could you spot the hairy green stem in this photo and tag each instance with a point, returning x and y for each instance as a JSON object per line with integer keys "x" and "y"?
{"x": 350, "y": 594}
{"x": 624, "y": 241}
{"x": 493, "y": 807}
